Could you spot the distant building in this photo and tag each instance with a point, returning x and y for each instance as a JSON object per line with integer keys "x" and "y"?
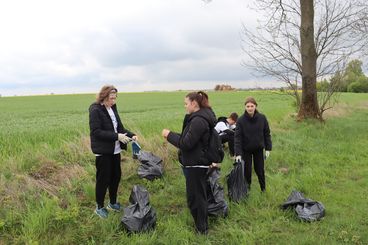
{"x": 223, "y": 87}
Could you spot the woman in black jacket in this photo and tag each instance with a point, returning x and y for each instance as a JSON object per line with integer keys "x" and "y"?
{"x": 192, "y": 144}
{"x": 252, "y": 136}
{"x": 108, "y": 139}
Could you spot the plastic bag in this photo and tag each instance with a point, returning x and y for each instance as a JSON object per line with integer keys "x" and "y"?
{"x": 217, "y": 205}
{"x": 236, "y": 184}
{"x": 306, "y": 209}
{"x": 151, "y": 166}
{"x": 139, "y": 216}
{"x": 136, "y": 149}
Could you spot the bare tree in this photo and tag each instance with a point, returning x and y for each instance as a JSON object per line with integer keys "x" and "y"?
{"x": 299, "y": 42}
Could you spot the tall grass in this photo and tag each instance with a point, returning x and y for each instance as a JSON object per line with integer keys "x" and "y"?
{"x": 47, "y": 173}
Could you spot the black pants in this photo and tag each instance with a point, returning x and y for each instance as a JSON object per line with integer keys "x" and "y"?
{"x": 258, "y": 159}
{"x": 108, "y": 175}
{"x": 196, "y": 187}
{"x": 229, "y": 138}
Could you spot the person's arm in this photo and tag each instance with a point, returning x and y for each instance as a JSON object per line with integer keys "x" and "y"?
{"x": 195, "y": 131}
{"x": 127, "y": 132}
{"x": 267, "y": 136}
{"x": 173, "y": 138}
{"x": 229, "y": 132}
{"x": 238, "y": 148}
{"x": 96, "y": 130}
{"x": 121, "y": 128}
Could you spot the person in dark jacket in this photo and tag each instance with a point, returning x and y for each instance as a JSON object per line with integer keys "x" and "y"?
{"x": 225, "y": 127}
{"x": 192, "y": 143}
{"x": 108, "y": 139}
{"x": 252, "y": 137}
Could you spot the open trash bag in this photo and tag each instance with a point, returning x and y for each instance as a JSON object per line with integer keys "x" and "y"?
{"x": 307, "y": 209}
{"x": 215, "y": 196}
{"x": 139, "y": 216}
{"x": 236, "y": 185}
{"x": 151, "y": 165}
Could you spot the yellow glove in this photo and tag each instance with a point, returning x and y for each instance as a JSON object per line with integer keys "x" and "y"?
{"x": 123, "y": 138}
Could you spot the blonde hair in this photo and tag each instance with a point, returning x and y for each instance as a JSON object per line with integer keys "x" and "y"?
{"x": 105, "y": 92}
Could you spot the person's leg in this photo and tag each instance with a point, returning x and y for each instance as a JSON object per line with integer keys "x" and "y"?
{"x": 196, "y": 187}
{"x": 259, "y": 168}
{"x": 115, "y": 177}
{"x": 248, "y": 168}
{"x": 103, "y": 172}
{"x": 224, "y": 138}
{"x": 229, "y": 138}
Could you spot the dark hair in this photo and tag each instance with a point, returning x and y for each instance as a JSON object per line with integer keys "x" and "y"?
{"x": 105, "y": 92}
{"x": 234, "y": 116}
{"x": 251, "y": 100}
{"x": 200, "y": 97}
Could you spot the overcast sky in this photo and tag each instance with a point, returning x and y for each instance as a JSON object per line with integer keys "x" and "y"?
{"x": 76, "y": 46}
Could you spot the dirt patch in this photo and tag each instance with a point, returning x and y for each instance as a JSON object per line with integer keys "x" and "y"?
{"x": 339, "y": 110}
{"x": 46, "y": 169}
{"x": 343, "y": 109}
{"x": 363, "y": 105}
{"x": 50, "y": 176}
{"x": 283, "y": 170}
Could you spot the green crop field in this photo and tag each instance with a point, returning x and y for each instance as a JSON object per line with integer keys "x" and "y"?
{"x": 47, "y": 173}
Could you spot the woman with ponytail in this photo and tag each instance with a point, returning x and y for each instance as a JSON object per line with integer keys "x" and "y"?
{"x": 192, "y": 143}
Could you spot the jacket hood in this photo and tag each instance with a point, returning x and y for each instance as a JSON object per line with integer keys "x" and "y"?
{"x": 206, "y": 113}
{"x": 249, "y": 117}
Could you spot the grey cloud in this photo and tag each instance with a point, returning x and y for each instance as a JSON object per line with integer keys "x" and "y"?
{"x": 174, "y": 45}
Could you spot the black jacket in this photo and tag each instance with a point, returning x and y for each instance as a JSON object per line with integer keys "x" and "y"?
{"x": 194, "y": 139}
{"x": 252, "y": 133}
{"x": 102, "y": 132}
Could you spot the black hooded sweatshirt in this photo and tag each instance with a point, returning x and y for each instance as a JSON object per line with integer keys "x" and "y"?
{"x": 194, "y": 138}
{"x": 102, "y": 131}
{"x": 252, "y": 133}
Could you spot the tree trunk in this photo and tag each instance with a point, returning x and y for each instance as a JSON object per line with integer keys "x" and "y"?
{"x": 309, "y": 104}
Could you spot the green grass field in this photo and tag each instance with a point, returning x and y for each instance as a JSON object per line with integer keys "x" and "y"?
{"x": 47, "y": 173}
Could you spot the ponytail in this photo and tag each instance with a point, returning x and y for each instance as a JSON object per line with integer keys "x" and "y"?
{"x": 200, "y": 97}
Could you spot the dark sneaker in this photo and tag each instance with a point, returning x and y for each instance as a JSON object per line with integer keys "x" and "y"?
{"x": 114, "y": 207}
{"x": 102, "y": 212}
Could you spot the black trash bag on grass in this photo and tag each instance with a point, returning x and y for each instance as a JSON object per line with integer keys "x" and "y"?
{"x": 139, "y": 216}
{"x": 217, "y": 205}
{"x": 236, "y": 185}
{"x": 306, "y": 209}
{"x": 151, "y": 165}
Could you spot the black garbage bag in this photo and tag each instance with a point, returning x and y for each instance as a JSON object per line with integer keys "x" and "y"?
{"x": 139, "y": 216}
{"x": 217, "y": 205}
{"x": 236, "y": 185}
{"x": 306, "y": 209}
{"x": 151, "y": 165}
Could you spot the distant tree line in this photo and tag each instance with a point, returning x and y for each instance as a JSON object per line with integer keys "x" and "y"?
{"x": 351, "y": 79}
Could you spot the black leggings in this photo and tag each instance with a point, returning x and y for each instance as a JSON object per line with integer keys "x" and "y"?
{"x": 108, "y": 175}
{"x": 258, "y": 159}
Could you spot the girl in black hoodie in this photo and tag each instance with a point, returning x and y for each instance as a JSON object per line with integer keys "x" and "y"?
{"x": 252, "y": 136}
{"x": 192, "y": 144}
